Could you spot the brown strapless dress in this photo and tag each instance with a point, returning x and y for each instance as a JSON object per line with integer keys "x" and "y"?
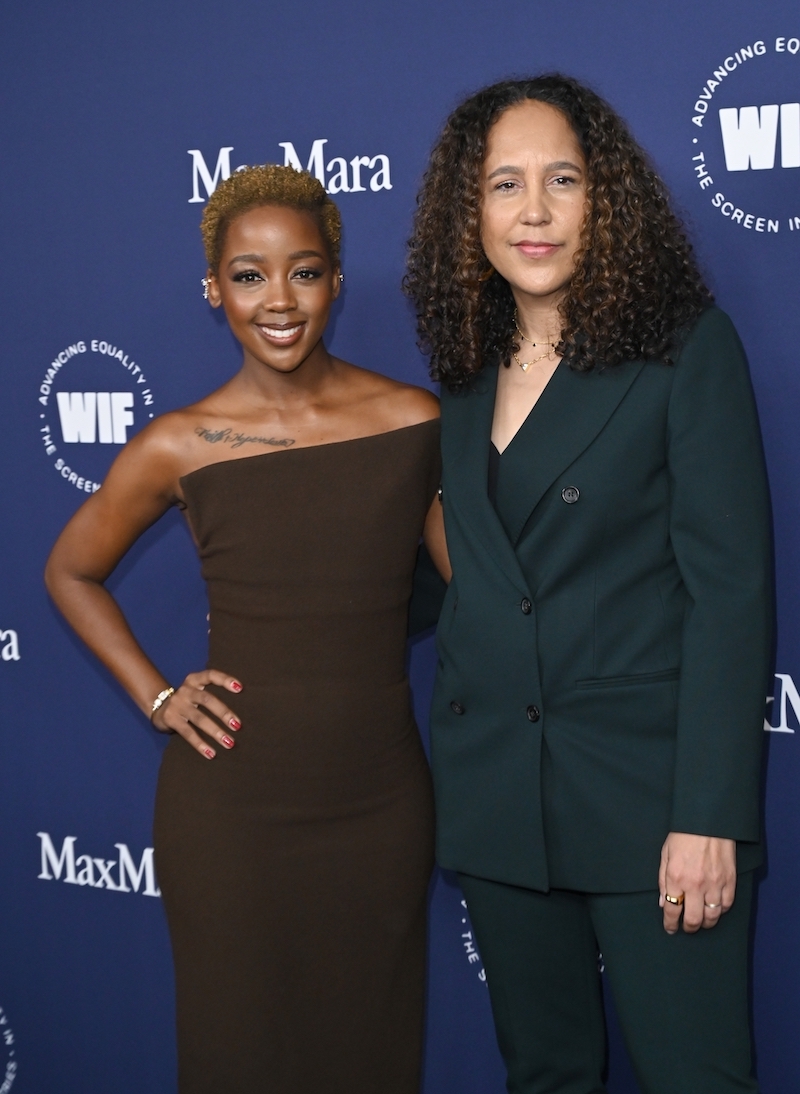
{"x": 294, "y": 868}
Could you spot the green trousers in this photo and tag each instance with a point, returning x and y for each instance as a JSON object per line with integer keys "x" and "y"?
{"x": 681, "y": 999}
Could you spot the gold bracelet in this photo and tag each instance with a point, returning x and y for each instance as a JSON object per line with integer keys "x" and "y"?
{"x": 160, "y": 699}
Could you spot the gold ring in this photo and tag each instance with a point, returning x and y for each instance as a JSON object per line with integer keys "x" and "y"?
{"x": 674, "y": 899}
{"x": 712, "y": 905}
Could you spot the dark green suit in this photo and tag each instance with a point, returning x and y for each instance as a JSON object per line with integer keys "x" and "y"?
{"x": 603, "y": 665}
{"x": 604, "y": 648}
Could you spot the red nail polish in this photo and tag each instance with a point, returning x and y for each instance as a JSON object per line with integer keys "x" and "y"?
{"x": 228, "y": 742}
{"x": 235, "y": 724}
{"x": 236, "y": 685}
{"x": 209, "y": 753}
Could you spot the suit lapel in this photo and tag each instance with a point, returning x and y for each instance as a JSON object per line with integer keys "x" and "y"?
{"x": 570, "y": 413}
{"x": 466, "y": 435}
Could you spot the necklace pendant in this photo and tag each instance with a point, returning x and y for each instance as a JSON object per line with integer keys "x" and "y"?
{"x": 525, "y": 365}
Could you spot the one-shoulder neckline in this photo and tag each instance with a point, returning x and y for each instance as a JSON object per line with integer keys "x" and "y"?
{"x": 309, "y": 447}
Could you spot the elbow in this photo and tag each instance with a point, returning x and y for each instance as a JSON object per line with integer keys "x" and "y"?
{"x": 51, "y": 574}
{"x": 55, "y": 573}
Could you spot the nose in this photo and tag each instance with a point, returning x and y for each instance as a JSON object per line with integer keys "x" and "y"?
{"x": 536, "y": 205}
{"x": 279, "y": 295}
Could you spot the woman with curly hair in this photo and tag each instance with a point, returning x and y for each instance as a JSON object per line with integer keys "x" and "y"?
{"x": 605, "y": 639}
{"x": 293, "y": 829}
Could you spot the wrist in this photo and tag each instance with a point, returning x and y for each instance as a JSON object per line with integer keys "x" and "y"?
{"x": 158, "y": 702}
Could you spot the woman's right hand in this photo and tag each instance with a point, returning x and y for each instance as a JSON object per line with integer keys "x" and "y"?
{"x": 185, "y": 711}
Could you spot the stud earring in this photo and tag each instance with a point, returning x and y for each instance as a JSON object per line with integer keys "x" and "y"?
{"x": 341, "y": 278}
{"x": 204, "y": 281}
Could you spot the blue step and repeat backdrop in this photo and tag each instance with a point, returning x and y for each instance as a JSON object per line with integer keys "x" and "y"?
{"x": 117, "y": 121}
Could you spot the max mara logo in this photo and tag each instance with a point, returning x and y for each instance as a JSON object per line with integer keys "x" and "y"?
{"x": 9, "y": 645}
{"x": 785, "y": 697}
{"x": 120, "y": 875}
{"x": 339, "y": 175}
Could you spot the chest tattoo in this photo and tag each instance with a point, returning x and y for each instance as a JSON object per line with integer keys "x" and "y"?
{"x": 236, "y": 440}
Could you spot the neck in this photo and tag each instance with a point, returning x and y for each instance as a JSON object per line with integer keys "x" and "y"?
{"x": 305, "y": 384}
{"x": 539, "y": 320}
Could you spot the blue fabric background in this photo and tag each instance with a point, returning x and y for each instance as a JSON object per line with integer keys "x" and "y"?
{"x": 100, "y": 241}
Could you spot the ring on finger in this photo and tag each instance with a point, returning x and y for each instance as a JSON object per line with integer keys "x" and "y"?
{"x": 674, "y": 899}
{"x": 707, "y": 905}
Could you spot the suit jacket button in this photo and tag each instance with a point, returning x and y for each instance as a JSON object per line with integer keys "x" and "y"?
{"x": 456, "y": 707}
{"x": 570, "y": 494}
{"x": 533, "y": 714}
{"x": 526, "y": 606}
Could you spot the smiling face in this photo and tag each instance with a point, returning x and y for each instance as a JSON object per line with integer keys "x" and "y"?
{"x": 276, "y": 283}
{"x": 534, "y": 200}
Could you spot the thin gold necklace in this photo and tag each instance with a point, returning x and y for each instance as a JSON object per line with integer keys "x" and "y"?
{"x": 525, "y": 365}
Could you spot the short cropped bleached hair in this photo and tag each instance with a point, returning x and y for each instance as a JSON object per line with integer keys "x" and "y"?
{"x": 268, "y": 184}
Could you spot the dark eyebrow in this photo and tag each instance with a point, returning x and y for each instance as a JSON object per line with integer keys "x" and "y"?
{"x": 559, "y": 165}
{"x": 505, "y": 170}
{"x": 246, "y": 258}
{"x": 564, "y": 165}
{"x": 293, "y": 257}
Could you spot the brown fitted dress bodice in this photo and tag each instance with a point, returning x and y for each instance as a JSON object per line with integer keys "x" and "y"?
{"x": 294, "y": 867}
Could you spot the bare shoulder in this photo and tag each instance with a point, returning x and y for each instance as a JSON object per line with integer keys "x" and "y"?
{"x": 391, "y": 404}
{"x": 413, "y": 404}
{"x": 176, "y": 432}
{"x": 167, "y": 435}
{"x": 163, "y": 451}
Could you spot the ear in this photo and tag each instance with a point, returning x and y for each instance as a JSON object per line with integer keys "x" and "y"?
{"x": 338, "y": 278}
{"x": 214, "y": 295}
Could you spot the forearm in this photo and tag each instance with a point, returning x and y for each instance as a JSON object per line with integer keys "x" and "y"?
{"x": 96, "y": 618}
{"x": 720, "y": 719}
{"x": 427, "y": 594}
{"x": 720, "y": 534}
{"x": 433, "y": 536}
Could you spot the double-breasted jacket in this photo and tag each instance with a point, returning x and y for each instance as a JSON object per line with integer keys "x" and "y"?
{"x": 604, "y": 644}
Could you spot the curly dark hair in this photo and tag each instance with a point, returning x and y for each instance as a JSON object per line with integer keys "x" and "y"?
{"x": 636, "y": 283}
{"x": 268, "y": 184}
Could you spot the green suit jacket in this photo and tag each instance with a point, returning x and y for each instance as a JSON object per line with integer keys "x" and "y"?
{"x": 604, "y": 648}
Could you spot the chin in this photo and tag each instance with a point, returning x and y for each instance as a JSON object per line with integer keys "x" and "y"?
{"x": 286, "y": 369}
{"x": 538, "y": 292}
{"x": 541, "y": 288}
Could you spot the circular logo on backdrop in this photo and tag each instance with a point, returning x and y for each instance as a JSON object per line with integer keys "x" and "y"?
{"x": 745, "y": 137}
{"x": 470, "y": 946}
{"x": 8, "y": 1054}
{"x": 92, "y": 398}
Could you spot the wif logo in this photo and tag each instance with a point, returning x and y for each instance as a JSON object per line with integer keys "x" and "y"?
{"x": 9, "y": 1066}
{"x": 468, "y": 941}
{"x": 87, "y": 412}
{"x": 750, "y": 136}
{"x": 746, "y": 162}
